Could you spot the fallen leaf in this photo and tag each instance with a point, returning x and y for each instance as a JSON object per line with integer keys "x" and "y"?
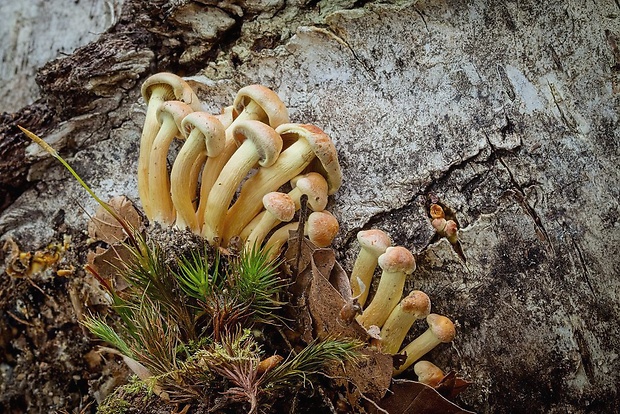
{"x": 415, "y": 397}
{"x": 107, "y": 262}
{"x": 450, "y": 386}
{"x": 102, "y": 226}
{"x": 318, "y": 305}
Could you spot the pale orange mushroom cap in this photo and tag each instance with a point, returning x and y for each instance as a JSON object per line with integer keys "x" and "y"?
{"x": 178, "y": 89}
{"x": 397, "y": 259}
{"x": 417, "y": 303}
{"x": 266, "y": 99}
{"x": 326, "y": 156}
{"x": 280, "y": 205}
{"x": 442, "y": 327}
{"x": 437, "y": 211}
{"x": 374, "y": 241}
{"x": 322, "y": 228}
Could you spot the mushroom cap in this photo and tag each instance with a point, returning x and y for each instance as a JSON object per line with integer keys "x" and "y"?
{"x": 437, "y": 211}
{"x": 441, "y": 326}
{"x": 322, "y": 228}
{"x": 428, "y": 373}
{"x": 268, "y": 100}
{"x": 374, "y": 241}
{"x": 281, "y": 205}
{"x": 439, "y": 224}
{"x": 177, "y": 110}
{"x": 417, "y": 303}
{"x": 451, "y": 228}
{"x": 397, "y": 259}
{"x": 178, "y": 89}
{"x": 315, "y": 187}
{"x": 210, "y": 127}
{"x": 266, "y": 140}
{"x": 326, "y": 161}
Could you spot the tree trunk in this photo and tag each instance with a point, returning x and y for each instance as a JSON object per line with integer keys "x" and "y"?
{"x": 506, "y": 112}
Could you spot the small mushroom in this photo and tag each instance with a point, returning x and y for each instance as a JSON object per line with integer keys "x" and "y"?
{"x": 414, "y": 306}
{"x": 440, "y": 330}
{"x": 256, "y": 103}
{"x": 170, "y": 114}
{"x": 259, "y": 143}
{"x": 156, "y": 90}
{"x": 445, "y": 228}
{"x": 321, "y": 228}
{"x": 451, "y": 231}
{"x": 308, "y": 142}
{"x": 372, "y": 245}
{"x": 428, "y": 373}
{"x": 312, "y": 185}
{"x": 205, "y": 138}
{"x": 279, "y": 207}
{"x": 396, "y": 263}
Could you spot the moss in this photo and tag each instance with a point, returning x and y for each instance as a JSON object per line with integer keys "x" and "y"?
{"x": 118, "y": 402}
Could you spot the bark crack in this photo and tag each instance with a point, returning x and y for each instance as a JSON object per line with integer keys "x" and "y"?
{"x": 329, "y": 32}
{"x": 518, "y": 191}
{"x": 585, "y": 272}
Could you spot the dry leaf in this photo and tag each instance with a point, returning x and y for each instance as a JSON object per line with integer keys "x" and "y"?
{"x": 106, "y": 263}
{"x": 415, "y": 397}
{"x": 450, "y": 386}
{"x": 102, "y": 226}
{"x": 318, "y": 303}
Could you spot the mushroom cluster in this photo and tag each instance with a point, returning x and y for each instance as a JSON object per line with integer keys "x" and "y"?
{"x": 387, "y": 311}
{"x": 250, "y": 150}
{"x": 445, "y": 228}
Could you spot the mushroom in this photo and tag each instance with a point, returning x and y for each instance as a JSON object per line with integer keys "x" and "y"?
{"x": 414, "y": 306}
{"x": 312, "y": 185}
{"x": 321, "y": 228}
{"x": 396, "y": 263}
{"x": 308, "y": 142}
{"x": 451, "y": 231}
{"x": 205, "y": 138}
{"x": 372, "y": 245}
{"x": 156, "y": 90}
{"x": 279, "y": 207}
{"x": 445, "y": 228}
{"x": 428, "y": 373}
{"x": 170, "y": 115}
{"x": 259, "y": 143}
{"x": 254, "y": 102}
{"x": 440, "y": 330}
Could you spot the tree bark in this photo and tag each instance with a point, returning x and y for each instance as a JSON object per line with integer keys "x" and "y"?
{"x": 505, "y": 112}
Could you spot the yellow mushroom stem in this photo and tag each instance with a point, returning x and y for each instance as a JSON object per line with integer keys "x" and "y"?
{"x": 440, "y": 330}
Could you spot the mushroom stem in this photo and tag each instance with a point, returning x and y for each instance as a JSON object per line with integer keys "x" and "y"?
{"x": 416, "y": 305}
{"x": 260, "y": 144}
{"x": 440, "y": 330}
{"x": 372, "y": 245}
{"x": 205, "y": 139}
{"x": 396, "y": 263}
{"x": 170, "y": 113}
{"x": 279, "y": 207}
{"x": 156, "y": 90}
{"x": 278, "y": 238}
